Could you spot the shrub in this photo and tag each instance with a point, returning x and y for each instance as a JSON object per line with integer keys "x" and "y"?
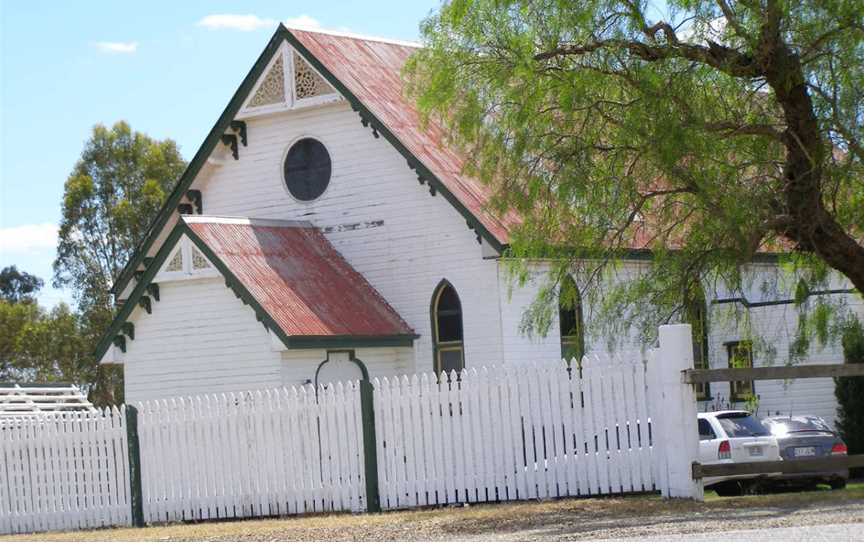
{"x": 850, "y": 392}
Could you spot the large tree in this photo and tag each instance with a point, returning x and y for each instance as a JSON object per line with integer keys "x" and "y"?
{"x": 113, "y": 193}
{"x": 705, "y": 130}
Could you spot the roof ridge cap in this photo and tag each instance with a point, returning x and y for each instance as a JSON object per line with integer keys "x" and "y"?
{"x": 353, "y": 35}
{"x": 246, "y": 221}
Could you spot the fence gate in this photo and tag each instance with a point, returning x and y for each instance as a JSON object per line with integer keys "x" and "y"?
{"x": 267, "y": 453}
{"x": 508, "y": 433}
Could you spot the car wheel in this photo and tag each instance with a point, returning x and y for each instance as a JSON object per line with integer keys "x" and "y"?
{"x": 838, "y": 483}
{"x": 728, "y": 489}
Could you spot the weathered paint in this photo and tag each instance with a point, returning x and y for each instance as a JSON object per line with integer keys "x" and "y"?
{"x": 297, "y": 276}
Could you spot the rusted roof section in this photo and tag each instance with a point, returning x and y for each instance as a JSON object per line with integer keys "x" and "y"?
{"x": 298, "y": 278}
{"x": 371, "y": 70}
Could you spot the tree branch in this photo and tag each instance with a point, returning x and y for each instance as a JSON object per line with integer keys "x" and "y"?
{"x": 717, "y": 56}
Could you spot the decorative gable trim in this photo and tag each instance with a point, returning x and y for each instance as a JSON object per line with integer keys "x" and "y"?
{"x": 288, "y": 82}
{"x": 186, "y": 262}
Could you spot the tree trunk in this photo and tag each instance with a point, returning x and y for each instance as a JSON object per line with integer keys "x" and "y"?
{"x": 814, "y": 229}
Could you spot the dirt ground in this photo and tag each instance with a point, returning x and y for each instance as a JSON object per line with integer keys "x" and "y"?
{"x": 568, "y": 519}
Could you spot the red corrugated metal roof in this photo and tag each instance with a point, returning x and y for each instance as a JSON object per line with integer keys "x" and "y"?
{"x": 297, "y": 276}
{"x": 370, "y": 69}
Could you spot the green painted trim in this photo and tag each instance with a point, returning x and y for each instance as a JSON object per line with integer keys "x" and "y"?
{"x": 348, "y": 341}
{"x": 136, "y": 497}
{"x": 370, "y": 451}
{"x": 153, "y": 289}
{"x": 129, "y": 330}
{"x": 434, "y": 324}
{"x": 210, "y": 142}
{"x": 364, "y": 372}
{"x": 139, "y": 291}
{"x": 756, "y": 304}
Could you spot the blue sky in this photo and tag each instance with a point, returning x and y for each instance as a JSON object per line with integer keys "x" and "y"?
{"x": 168, "y": 68}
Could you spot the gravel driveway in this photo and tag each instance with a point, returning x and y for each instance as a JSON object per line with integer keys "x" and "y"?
{"x": 570, "y": 519}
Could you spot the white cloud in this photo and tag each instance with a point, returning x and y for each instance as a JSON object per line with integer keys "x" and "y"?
{"x": 28, "y": 238}
{"x": 117, "y": 47}
{"x": 243, "y": 23}
{"x": 303, "y": 21}
{"x": 249, "y": 22}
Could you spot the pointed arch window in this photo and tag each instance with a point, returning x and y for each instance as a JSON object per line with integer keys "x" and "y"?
{"x": 447, "y": 333}
{"x": 570, "y": 320}
{"x": 696, "y": 314}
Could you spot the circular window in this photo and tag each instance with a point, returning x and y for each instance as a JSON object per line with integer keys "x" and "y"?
{"x": 307, "y": 169}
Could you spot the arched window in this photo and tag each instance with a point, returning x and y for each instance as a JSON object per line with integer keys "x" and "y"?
{"x": 447, "y": 329}
{"x": 570, "y": 320}
{"x": 696, "y": 314}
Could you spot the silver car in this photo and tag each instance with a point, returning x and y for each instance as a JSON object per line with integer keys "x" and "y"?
{"x": 804, "y": 437}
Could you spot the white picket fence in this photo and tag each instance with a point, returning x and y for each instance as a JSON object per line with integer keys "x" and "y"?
{"x": 64, "y": 471}
{"x": 494, "y": 434}
{"x": 262, "y": 453}
{"x": 511, "y": 433}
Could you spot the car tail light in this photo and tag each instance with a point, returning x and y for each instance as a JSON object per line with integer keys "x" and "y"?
{"x": 724, "y": 451}
{"x": 839, "y": 448}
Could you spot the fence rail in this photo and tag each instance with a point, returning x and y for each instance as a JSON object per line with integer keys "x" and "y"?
{"x": 795, "y": 466}
{"x": 700, "y": 376}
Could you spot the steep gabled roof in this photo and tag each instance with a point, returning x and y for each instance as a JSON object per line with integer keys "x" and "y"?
{"x": 299, "y": 286}
{"x": 367, "y": 73}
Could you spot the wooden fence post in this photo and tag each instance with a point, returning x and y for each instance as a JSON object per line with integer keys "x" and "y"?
{"x": 370, "y": 453}
{"x": 135, "y": 499}
{"x": 674, "y": 412}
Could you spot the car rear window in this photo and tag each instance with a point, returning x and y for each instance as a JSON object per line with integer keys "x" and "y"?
{"x": 798, "y": 425}
{"x": 742, "y": 425}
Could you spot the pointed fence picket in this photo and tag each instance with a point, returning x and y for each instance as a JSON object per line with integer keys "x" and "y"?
{"x": 516, "y": 432}
{"x": 252, "y": 454}
{"x": 64, "y": 471}
{"x": 543, "y": 430}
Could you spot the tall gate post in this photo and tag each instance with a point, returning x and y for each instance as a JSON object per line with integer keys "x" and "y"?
{"x": 674, "y": 413}
{"x": 132, "y": 443}
{"x": 370, "y": 451}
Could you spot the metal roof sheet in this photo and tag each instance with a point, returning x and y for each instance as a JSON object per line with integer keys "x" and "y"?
{"x": 371, "y": 70}
{"x": 296, "y": 275}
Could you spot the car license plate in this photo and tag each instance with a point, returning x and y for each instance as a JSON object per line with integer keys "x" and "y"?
{"x": 755, "y": 451}
{"x": 806, "y": 451}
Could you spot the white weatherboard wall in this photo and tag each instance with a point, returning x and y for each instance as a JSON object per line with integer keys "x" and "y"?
{"x": 388, "y": 226}
{"x": 200, "y": 338}
{"x": 299, "y": 366}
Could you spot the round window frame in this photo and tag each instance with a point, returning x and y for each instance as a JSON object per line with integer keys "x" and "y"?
{"x": 282, "y": 179}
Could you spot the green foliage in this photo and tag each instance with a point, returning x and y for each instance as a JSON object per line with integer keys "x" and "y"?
{"x": 111, "y": 196}
{"x": 609, "y": 132}
{"x": 18, "y": 285}
{"x": 850, "y": 392}
{"x": 113, "y": 193}
{"x": 38, "y": 345}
